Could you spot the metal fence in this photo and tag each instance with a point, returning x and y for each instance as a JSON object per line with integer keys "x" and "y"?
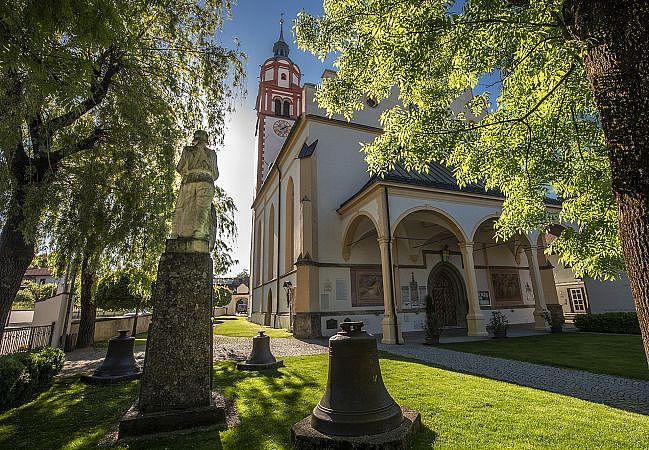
{"x": 26, "y": 338}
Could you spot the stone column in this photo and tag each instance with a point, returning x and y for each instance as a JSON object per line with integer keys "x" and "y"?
{"x": 474, "y": 319}
{"x": 391, "y": 334}
{"x": 537, "y": 288}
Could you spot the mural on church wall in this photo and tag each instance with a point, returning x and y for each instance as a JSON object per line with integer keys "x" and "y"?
{"x": 506, "y": 287}
{"x": 367, "y": 286}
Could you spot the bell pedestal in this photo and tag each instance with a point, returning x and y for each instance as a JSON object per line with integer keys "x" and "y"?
{"x": 175, "y": 387}
{"x": 356, "y": 410}
{"x": 119, "y": 363}
{"x": 261, "y": 357}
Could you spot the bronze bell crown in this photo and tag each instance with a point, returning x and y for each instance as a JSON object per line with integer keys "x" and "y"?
{"x": 119, "y": 361}
{"x": 355, "y": 402}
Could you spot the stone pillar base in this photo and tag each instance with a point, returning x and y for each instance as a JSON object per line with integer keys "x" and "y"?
{"x": 177, "y": 371}
{"x": 476, "y": 325}
{"x": 539, "y": 321}
{"x": 305, "y": 437}
{"x": 134, "y": 424}
{"x": 307, "y": 325}
{"x": 391, "y": 331}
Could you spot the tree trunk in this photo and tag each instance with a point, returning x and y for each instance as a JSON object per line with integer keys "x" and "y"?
{"x": 16, "y": 253}
{"x": 86, "y": 335}
{"x": 617, "y": 66}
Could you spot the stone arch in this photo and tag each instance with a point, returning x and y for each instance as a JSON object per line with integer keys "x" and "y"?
{"x": 445, "y": 219}
{"x": 350, "y": 231}
{"x": 289, "y": 223}
{"x": 478, "y": 224}
{"x": 448, "y": 291}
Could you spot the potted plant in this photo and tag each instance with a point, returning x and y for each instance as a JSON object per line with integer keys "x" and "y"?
{"x": 433, "y": 325}
{"x": 499, "y": 324}
{"x": 555, "y": 311}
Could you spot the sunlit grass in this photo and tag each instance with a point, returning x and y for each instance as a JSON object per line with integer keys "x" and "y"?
{"x": 611, "y": 354}
{"x": 239, "y": 326}
{"x": 458, "y": 411}
{"x": 140, "y": 339}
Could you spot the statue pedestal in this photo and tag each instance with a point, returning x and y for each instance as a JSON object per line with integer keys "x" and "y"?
{"x": 175, "y": 389}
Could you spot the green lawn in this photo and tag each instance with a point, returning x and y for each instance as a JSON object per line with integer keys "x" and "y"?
{"x": 140, "y": 339}
{"x": 620, "y": 355}
{"x": 239, "y": 326}
{"x": 458, "y": 411}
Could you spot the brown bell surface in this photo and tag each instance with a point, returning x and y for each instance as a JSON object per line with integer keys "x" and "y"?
{"x": 355, "y": 402}
{"x": 119, "y": 360}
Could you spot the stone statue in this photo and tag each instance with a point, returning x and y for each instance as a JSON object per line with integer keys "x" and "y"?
{"x": 195, "y": 216}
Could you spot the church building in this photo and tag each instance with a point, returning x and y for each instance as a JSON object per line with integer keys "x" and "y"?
{"x": 332, "y": 243}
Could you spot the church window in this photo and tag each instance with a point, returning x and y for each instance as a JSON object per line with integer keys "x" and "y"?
{"x": 270, "y": 264}
{"x": 372, "y": 103}
{"x": 287, "y": 108}
{"x": 577, "y": 299}
{"x": 283, "y": 76}
{"x": 278, "y": 107}
{"x": 289, "y": 249}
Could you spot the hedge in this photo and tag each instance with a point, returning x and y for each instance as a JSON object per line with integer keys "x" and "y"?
{"x": 25, "y": 374}
{"x": 615, "y": 322}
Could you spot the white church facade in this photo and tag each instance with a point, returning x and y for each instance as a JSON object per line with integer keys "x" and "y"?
{"x": 330, "y": 242}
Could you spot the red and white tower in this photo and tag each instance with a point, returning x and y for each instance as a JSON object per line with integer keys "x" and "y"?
{"x": 279, "y": 103}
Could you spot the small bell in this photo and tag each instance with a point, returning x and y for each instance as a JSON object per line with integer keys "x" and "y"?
{"x": 260, "y": 358}
{"x": 119, "y": 363}
{"x": 355, "y": 402}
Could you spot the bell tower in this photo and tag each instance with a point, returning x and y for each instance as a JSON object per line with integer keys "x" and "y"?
{"x": 278, "y": 105}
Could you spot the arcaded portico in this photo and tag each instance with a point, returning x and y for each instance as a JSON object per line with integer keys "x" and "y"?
{"x": 443, "y": 242}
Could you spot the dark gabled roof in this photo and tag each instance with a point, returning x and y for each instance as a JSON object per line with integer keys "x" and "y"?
{"x": 438, "y": 176}
{"x": 307, "y": 150}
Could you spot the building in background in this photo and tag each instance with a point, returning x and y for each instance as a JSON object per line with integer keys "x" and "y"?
{"x": 332, "y": 243}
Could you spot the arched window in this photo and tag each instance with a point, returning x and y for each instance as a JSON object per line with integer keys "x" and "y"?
{"x": 289, "y": 245}
{"x": 287, "y": 108}
{"x": 270, "y": 266}
{"x": 283, "y": 77}
{"x": 258, "y": 257}
{"x": 278, "y": 107}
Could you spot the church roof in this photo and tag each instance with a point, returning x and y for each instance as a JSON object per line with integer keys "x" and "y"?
{"x": 280, "y": 48}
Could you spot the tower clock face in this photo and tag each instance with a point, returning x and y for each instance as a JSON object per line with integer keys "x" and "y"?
{"x": 282, "y": 128}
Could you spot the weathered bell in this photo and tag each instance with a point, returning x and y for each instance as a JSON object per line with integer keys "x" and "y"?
{"x": 261, "y": 356}
{"x": 119, "y": 362}
{"x": 355, "y": 402}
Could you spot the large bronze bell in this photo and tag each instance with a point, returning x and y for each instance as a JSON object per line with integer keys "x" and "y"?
{"x": 355, "y": 402}
{"x": 261, "y": 357}
{"x": 119, "y": 363}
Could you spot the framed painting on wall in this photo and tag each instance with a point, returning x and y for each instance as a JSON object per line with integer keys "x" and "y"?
{"x": 367, "y": 286}
{"x": 506, "y": 287}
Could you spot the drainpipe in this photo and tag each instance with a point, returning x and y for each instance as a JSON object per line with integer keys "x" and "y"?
{"x": 279, "y": 238}
{"x": 392, "y": 305}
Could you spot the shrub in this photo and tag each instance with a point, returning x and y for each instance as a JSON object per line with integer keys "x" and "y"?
{"x": 24, "y": 300}
{"x": 24, "y": 374}
{"x": 616, "y": 322}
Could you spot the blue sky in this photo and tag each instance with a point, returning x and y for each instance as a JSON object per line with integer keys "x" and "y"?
{"x": 255, "y": 23}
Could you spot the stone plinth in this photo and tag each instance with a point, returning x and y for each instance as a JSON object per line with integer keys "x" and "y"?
{"x": 252, "y": 366}
{"x": 305, "y": 437}
{"x": 175, "y": 388}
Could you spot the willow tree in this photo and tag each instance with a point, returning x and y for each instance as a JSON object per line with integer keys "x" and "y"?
{"x": 565, "y": 87}
{"x": 75, "y": 76}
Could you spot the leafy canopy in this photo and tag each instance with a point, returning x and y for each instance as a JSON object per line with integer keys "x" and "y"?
{"x": 540, "y": 135}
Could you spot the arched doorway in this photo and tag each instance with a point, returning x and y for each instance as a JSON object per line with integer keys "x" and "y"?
{"x": 446, "y": 287}
{"x": 269, "y": 308}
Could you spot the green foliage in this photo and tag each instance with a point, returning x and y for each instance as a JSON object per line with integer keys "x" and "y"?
{"x": 498, "y": 321}
{"x": 24, "y": 374}
{"x": 615, "y": 322}
{"x": 24, "y": 300}
{"x": 531, "y": 128}
{"x": 122, "y": 290}
{"x": 39, "y": 292}
{"x": 222, "y": 296}
{"x": 433, "y": 324}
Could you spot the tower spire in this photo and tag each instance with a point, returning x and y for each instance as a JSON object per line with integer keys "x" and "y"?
{"x": 281, "y": 47}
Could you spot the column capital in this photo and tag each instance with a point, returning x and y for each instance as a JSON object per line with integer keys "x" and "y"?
{"x": 467, "y": 245}
{"x": 383, "y": 240}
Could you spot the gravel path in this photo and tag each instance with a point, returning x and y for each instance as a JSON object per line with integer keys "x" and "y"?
{"x": 225, "y": 347}
{"x": 623, "y": 393}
